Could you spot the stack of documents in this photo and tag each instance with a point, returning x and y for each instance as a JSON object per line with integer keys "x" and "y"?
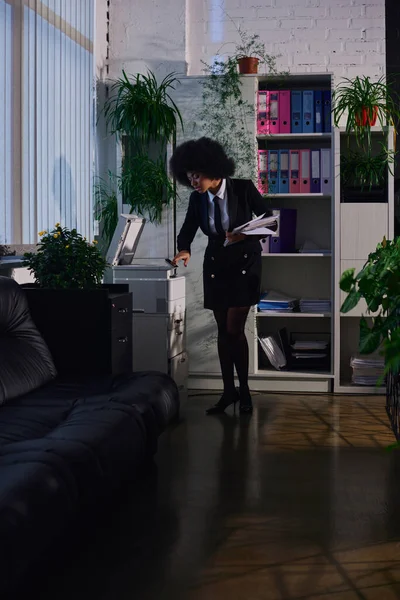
{"x": 310, "y": 350}
{"x": 367, "y": 370}
{"x": 275, "y": 302}
{"x": 315, "y": 305}
{"x": 258, "y": 226}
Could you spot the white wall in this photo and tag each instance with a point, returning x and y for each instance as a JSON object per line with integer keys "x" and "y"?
{"x": 345, "y": 37}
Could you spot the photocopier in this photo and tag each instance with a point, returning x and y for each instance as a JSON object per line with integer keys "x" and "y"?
{"x": 159, "y": 303}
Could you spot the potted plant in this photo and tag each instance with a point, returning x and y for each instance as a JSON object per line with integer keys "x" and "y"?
{"x": 71, "y": 307}
{"x": 225, "y": 114}
{"x": 250, "y": 53}
{"x": 144, "y": 117}
{"x": 378, "y": 283}
{"x": 364, "y": 102}
{"x": 65, "y": 260}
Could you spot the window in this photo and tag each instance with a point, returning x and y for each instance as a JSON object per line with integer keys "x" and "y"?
{"x": 47, "y": 117}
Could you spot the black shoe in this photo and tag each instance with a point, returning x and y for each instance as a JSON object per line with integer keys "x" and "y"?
{"x": 225, "y": 401}
{"x": 245, "y": 403}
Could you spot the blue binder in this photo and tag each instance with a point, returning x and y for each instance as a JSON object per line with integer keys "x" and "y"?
{"x": 318, "y": 112}
{"x": 273, "y": 168}
{"x": 327, "y": 100}
{"x": 297, "y": 111}
{"x": 308, "y": 111}
{"x": 283, "y": 175}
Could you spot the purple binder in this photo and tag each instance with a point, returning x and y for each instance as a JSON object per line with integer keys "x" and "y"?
{"x": 285, "y": 241}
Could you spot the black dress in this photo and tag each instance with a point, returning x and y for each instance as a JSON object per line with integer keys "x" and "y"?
{"x": 231, "y": 274}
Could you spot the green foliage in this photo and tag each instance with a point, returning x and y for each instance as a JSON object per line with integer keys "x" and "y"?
{"x": 379, "y": 284}
{"x": 143, "y": 109}
{"x": 65, "y": 260}
{"x": 365, "y": 169}
{"x": 225, "y": 114}
{"x": 106, "y": 208}
{"x": 250, "y": 45}
{"x": 145, "y": 186}
{"x": 353, "y": 95}
{"x": 141, "y": 112}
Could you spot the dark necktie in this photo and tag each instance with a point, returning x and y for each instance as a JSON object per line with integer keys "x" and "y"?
{"x": 217, "y": 218}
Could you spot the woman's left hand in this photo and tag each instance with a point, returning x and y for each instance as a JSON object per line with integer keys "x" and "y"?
{"x": 234, "y": 237}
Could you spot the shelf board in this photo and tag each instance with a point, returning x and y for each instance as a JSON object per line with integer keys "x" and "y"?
{"x": 289, "y": 196}
{"x": 295, "y": 315}
{"x": 295, "y": 136}
{"x": 297, "y": 255}
{"x": 376, "y": 129}
{"x": 370, "y": 390}
{"x": 293, "y": 374}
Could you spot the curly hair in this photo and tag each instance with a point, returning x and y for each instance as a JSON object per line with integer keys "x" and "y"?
{"x": 203, "y": 156}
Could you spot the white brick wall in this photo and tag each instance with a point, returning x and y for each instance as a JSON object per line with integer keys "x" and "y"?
{"x": 337, "y": 36}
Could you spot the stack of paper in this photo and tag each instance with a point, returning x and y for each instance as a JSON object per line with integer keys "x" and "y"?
{"x": 367, "y": 370}
{"x": 275, "y": 302}
{"x": 311, "y": 349}
{"x": 315, "y": 305}
{"x": 258, "y": 226}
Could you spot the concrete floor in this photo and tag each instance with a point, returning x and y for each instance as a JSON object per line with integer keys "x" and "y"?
{"x": 300, "y": 501}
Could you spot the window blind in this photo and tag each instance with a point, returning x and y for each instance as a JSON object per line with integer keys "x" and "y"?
{"x": 49, "y": 144}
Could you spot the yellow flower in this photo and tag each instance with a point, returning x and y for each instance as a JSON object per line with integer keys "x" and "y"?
{"x": 56, "y": 235}
{"x": 95, "y": 242}
{"x": 42, "y": 233}
{"x": 67, "y": 246}
{"x": 57, "y": 225}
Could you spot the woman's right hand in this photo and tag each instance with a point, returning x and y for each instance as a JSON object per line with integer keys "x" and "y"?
{"x": 182, "y": 255}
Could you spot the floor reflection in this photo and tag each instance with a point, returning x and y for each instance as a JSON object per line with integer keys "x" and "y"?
{"x": 299, "y": 502}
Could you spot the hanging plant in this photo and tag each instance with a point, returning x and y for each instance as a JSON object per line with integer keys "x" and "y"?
{"x": 142, "y": 114}
{"x": 225, "y": 114}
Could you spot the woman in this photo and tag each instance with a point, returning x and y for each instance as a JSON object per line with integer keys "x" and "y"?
{"x": 231, "y": 273}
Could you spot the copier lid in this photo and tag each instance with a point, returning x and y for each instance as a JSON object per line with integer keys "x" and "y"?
{"x": 125, "y": 240}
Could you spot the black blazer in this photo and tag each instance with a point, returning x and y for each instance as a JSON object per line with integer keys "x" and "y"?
{"x": 244, "y": 200}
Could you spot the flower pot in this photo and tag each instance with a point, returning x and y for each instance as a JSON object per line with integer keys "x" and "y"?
{"x": 368, "y": 116}
{"x": 248, "y": 65}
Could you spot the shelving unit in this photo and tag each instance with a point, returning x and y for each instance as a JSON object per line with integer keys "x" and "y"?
{"x": 300, "y": 275}
{"x": 359, "y": 227}
{"x": 347, "y": 231}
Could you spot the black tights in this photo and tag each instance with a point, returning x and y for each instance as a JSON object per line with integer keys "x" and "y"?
{"x": 233, "y": 349}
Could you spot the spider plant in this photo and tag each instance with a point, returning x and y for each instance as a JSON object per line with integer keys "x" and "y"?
{"x": 365, "y": 102}
{"x": 143, "y": 109}
{"x": 364, "y": 169}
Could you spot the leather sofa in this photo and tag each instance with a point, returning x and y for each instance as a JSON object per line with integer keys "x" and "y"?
{"x": 65, "y": 444}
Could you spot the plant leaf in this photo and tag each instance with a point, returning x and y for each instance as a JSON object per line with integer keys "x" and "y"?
{"x": 347, "y": 280}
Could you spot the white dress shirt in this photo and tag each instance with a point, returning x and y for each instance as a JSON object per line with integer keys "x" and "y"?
{"x": 222, "y": 199}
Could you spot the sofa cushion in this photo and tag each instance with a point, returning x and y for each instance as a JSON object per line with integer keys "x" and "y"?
{"x": 25, "y": 360}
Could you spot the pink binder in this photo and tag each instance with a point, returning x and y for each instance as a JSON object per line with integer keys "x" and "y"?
{"x": 294, "y": 171}
{"x": 305, "y": 171}
{"x": 284, "y": 111}
{"x": 273, "y": 112}
{"x": 262, "y": 112}
{"x": 263, "y": 171}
